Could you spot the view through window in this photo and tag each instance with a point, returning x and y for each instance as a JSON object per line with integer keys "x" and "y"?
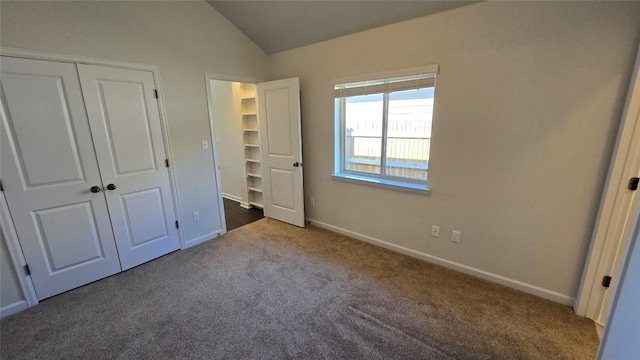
{"x": 385, "y": 127}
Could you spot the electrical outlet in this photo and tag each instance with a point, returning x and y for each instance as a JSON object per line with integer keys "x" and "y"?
{"x": 455, "y": 236}
{"x": 205, "y": 144}
{"x": 196, "y": 216}
{"x": 435, "y": 231}
{"x": 313, "y": 201}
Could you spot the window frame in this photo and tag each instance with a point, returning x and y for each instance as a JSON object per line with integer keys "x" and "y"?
{"x": 340, "y": 171}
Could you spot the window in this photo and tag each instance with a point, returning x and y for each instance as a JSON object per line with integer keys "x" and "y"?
{"x": 383, "y": 127}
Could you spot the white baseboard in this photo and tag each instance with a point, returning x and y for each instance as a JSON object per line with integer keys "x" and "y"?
{"x": 232, "y": 197}
{"x": 499, "y": 279}
{"x": 203, "y": 238}
{"x": 237, "y": 199}
{"x": 599, "y": 329}
{"x": 13, "y": 308}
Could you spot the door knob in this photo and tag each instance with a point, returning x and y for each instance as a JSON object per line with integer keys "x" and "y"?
{"x": 111, "y": 187}
{"x": 95, "y": 189}
{"x": 296, "y": 164}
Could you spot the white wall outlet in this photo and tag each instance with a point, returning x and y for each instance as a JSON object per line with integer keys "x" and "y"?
{"x": 205, "y": 144}
{"x": 313, "y": 201}
{"x": 455, "y": 236}
{"x": 196, "y": 216}
{"x": 435, "y": 231}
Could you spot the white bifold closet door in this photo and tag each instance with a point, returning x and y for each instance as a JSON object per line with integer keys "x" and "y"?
{"x": 125, "y": 124}
{"x": 48, "y": 168}
{"x": 57, "y": 164}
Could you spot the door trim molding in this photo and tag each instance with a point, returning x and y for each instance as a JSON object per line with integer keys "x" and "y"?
{"x": 155, "y": 71}
{"x": 17, "y": 258}
{"x": 42, "y": 55}
{"x": 232, "y": 78}
{"x": 607, "y": 229}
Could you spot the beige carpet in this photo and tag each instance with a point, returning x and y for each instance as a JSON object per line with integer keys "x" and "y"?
{"x": 274, "y": 291}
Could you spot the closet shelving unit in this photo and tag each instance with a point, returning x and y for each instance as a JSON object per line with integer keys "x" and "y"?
{"x": 251, "y": 142}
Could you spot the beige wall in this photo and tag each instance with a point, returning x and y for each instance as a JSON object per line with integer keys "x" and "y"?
{"x": 185, "y": 39}
{"x": 227, "y": 121}
{"x": 528, "y": 101}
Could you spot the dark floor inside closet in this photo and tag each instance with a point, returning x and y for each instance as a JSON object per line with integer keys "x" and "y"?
{"x": 237, "y": 216}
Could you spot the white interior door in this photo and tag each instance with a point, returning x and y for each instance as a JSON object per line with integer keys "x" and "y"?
{"x": 279, "y": 114}
{"x": 616, "y": 218}
{"x": 125, "y": 123}
{"x": 48, "y": 167}
{"x": 622, "y": 228}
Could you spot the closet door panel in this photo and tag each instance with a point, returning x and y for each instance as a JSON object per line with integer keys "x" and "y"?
{"x": 127, "y": 127}
{"x": 125, "y": 123}
{"x": 49, "y": 166}
{"x": 44, "y": 160}
{"x": 145, "y": 216}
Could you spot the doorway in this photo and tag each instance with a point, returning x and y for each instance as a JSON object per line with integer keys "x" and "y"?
{"x": 266, "y": 122}
{"x": 236, "y": 138}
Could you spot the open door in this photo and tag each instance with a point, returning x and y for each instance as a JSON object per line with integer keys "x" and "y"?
{"x": 616, "y": 219}
{"x": 279, "y": 116}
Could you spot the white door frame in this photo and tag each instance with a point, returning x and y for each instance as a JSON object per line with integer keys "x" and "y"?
{"x": 208, "y": 76}
{"x": 17, "y": 258}
{"x": 611, "y": 232}
{"x": 154, "y": 69}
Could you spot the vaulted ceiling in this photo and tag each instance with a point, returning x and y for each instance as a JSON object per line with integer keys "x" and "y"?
{"x": 277, "y": 26}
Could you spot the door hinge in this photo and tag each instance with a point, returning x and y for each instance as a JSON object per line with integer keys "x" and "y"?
{"x": 156, "y": 93}
{"x": 27, "y": 270}
{"x": 177, "y": 225}
{"x": 633, "y": 183}
{"x": 166, "y": 162}
{"x": 606, "y": 281}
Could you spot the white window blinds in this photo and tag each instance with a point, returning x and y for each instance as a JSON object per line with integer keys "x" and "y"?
{"x": 380, "y": 86}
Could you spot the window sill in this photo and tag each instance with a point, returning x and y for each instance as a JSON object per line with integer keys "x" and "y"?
{"x": 383, "y": 183}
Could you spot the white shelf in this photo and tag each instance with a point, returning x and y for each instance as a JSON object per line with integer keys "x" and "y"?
{"x": 251, "y": 136}
{"x": 256, "y": 204}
